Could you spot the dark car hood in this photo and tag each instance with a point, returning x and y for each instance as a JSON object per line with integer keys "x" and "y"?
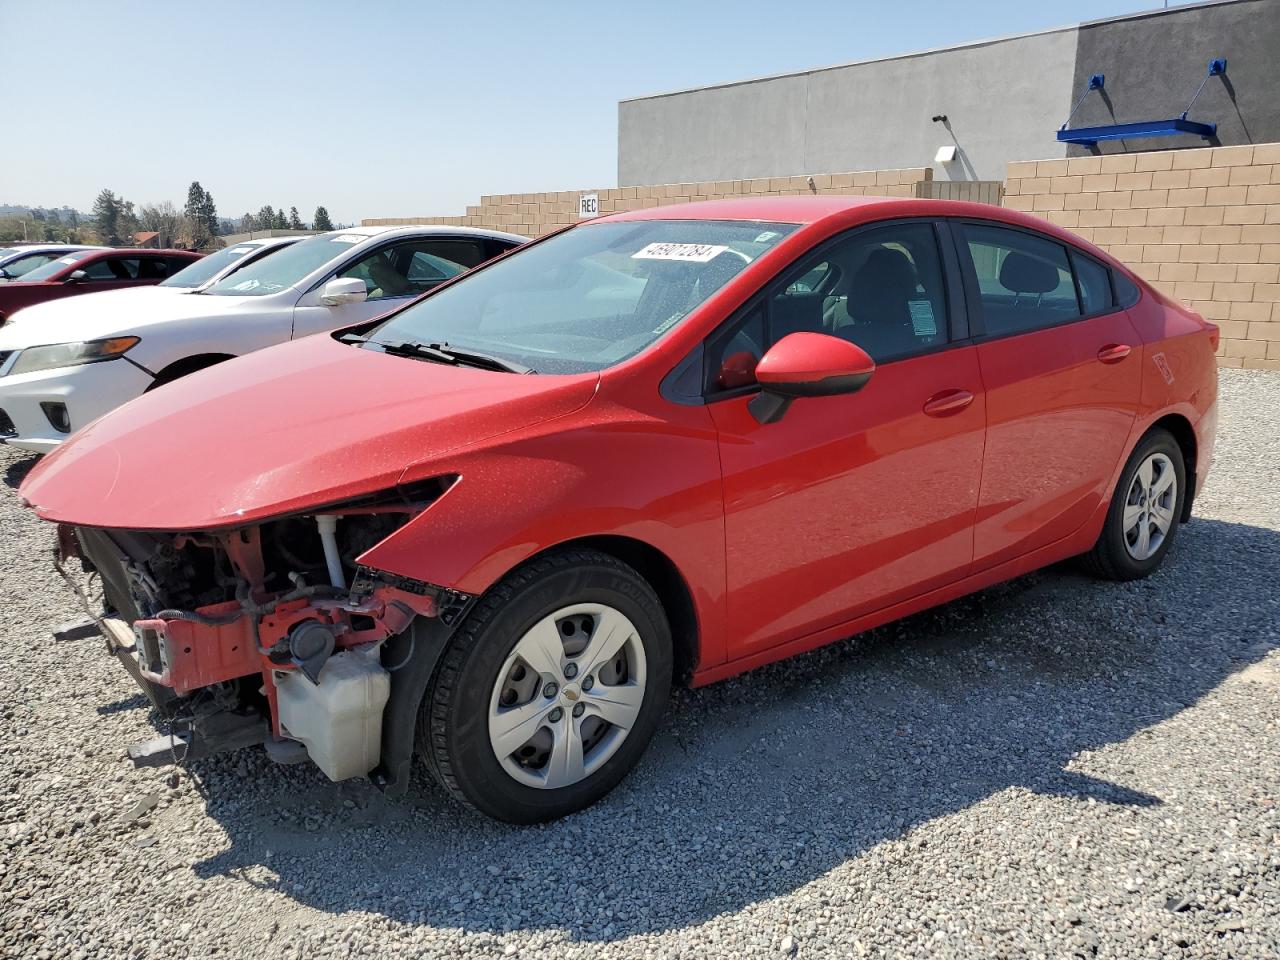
{"x": 281, "y": 430}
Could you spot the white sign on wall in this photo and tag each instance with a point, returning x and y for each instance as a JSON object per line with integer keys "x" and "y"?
{"x": 588, "y": 205}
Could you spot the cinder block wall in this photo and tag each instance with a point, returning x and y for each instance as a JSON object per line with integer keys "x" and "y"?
{"x": 534, "y": 214}
{"x": 1202, "y": 224}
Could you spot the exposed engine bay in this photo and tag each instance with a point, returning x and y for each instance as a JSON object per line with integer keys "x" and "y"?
{"x": 272, "y": 633}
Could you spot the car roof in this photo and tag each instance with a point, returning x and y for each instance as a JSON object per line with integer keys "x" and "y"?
{"x": 50, "y": 247}
{"x": 806, "y": 210}
{"x": 424, "y": 229}
{"x": 118, "y": 251}
{"x": 269, "y": 241}
{"x": 803, "y": 209}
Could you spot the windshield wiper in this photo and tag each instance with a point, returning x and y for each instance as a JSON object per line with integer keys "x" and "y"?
{"x": 443, "y": 353}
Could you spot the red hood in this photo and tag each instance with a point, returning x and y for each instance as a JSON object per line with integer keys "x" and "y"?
{"x": 281, "y": 430}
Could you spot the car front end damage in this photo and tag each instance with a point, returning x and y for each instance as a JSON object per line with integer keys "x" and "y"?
{"x": 274, "y": 633}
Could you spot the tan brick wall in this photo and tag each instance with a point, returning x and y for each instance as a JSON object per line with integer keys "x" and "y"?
{"x": 1203, "y": 225}
{"x": 534, "y": 214}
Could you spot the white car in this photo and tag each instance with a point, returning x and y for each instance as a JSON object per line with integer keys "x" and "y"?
{"x": 16, "y": 261}
{"x": 65, "y": 363}
{"x": 208, "y": 270}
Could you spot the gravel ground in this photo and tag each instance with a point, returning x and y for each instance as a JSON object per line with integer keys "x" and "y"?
{"x": 1054, "y": 767}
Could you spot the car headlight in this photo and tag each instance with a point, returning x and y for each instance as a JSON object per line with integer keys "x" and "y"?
{"x": 71, "y": 354}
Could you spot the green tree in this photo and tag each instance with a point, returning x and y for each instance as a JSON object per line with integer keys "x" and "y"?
{"x": 321, "y": 220}
{"x": 107, "y": 217}
{"x": 266, "y": 218}
{"x": 295, "y": 221}
{"x": 202, "y": 215}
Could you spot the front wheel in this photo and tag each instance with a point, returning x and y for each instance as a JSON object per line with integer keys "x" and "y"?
{"x": 1144, "y": 512}
{"x": 549, "y": 691}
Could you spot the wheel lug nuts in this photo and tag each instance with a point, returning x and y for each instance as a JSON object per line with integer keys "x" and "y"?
{"x": 555, "y": 715}
{"x": 551, "y": 689}
{"x": 570, "y": 671}
{"x": 588, "y": 683}
{"x": 579, "y": 709}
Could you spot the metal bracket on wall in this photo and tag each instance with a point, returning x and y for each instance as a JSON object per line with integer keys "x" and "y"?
{"x": 1090, "y": 136}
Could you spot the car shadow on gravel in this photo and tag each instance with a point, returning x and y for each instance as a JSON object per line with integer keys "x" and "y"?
{"x": 756, "y": 786}
{"x": 16, "y": 470}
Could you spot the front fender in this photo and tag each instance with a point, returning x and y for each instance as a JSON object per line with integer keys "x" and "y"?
{"x": 657, "y": 485}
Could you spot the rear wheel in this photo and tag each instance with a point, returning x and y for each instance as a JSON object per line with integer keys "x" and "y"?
{"x": 550, "y": 690}
{"x": 1144, "y": 513}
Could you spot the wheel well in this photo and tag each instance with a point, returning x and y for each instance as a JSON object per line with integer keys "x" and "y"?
{"x": 180, "y": 368}
{"x": 1182, "y": 431}
{"x": 657, "y": 568}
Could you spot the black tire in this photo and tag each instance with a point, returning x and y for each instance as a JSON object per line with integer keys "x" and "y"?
{"x": 453, "y": 726}
{"x": 1110, "y": 558}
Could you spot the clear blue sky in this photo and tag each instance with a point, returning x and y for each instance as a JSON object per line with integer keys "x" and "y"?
{"x": 375, "y": 107}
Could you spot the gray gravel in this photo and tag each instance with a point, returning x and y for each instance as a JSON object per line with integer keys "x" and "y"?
{"x": 1054, "y": 767}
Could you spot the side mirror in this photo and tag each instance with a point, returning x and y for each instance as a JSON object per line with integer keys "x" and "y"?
{"x": 807, "y": 365}
{"x": 343, "y": 290}
{"x": 77, "y": 276}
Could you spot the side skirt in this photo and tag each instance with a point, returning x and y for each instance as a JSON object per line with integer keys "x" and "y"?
{"x": 1079, "y": 542}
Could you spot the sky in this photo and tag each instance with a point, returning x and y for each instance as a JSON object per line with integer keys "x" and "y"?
{"x": 404, "y": 107}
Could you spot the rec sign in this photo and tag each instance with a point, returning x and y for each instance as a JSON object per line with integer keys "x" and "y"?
{"x": 588, "y": 205}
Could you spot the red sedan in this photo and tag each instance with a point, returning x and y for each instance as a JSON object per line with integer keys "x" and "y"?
{"x": 88, "y": 271}
{"x": 663, "y": 446}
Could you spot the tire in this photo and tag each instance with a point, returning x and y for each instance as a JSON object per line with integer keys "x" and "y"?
{"x": 483, "y": 684}
{"x": 1116, "y": 556}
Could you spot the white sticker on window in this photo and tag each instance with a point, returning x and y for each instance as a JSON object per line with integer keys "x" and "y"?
{"x": 68, "y": 259}
{"x": 240, "y": 249}
{"x": 686, "y": 252}
{"x": 922, "y": 318}
{"x": 347, "y": 238}
{"x": 766, "y": 236}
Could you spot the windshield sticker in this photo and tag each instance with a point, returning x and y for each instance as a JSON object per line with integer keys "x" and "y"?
{"x": 766, "y": 236}
{"x": 347, "y": 238}
{"x": 922, "y": 318}
{"x": 685, "y": 252}
{"x": 67, "y": 260}
{"x": 239, "y": 249}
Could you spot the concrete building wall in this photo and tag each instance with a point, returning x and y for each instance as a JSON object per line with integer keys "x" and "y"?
{"x": 1004, "y": 99}
{"x": 1154, "y": 62}
{"x": 860, "y": 115}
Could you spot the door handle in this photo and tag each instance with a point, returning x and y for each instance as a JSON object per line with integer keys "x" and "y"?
{"x": 1114, "y": 352}
{"x": 947, "y": 402}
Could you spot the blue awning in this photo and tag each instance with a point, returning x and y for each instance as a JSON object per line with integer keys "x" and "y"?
{"x": 1174, "y": 126}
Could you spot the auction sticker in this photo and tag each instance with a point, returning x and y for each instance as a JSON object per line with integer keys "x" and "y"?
{"x": 347, "y": 238}
{"x": 686, "y": 252}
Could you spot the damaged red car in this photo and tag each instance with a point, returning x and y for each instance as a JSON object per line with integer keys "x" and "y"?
{"x": 490, "y": 530}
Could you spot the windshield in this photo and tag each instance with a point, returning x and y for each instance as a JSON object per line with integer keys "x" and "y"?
{"x": 588, "y": 298}
{"x": 206, "y": 268}
{"x": 282, "y": 270}
{"x": 45, "y": 271}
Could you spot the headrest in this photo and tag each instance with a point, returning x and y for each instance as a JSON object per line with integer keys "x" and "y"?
{"x": 888, "y": 267}
{"x": 1022, "y": 273}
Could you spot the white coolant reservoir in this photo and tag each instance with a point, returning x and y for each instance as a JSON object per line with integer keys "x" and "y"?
{"x": 340, "y": 718}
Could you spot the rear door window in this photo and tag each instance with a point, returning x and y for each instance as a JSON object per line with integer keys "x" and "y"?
{"x": 113, "y": 268}
{"x": 1024, "y": 280}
